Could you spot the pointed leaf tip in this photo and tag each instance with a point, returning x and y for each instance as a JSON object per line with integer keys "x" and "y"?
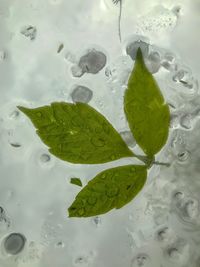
{"x": 145, "y": 108}
{"x": 77, "y": 133}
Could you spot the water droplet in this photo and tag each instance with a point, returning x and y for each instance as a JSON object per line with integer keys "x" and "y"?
{"x": 132, "y": 48}
{"x": 76, "y": 71}
{"x": 30, "y": 32}
{"x": 178, "y": 196}
{"x": 173, "y": 253}
{"x": 103, "y": 176}
{"x": 14, "y": 243}
{"x": 178, "y": 76}
{"x": 112, "y": 191}
{"x": 169, "y": 57}
{"x": 15, "y": 114}
{"x": 81, "y": 94}
{"x": 16, "y": 145}
{"x": 39, "y": 114}
{"x": 191, "y": 209}
{"x": 141, "y": 260}
{"x": 81, "y": 211}
{"x": 91, "y": 200}
{"x": 81, "y": 260}
{"x": 92, "y": 62}
{"x": 168, "y": 65}
{"x": 153, "y": 62}
{"x": 133, "y": 169}
{"x": 174, "y": 121}
{"x": 60, "y": 48}
{"x": 113, "y": 157}
{"x": 45, "y": 158}
{"x": 60, "y": 244}
{"x": 2, "y": 55}
{"x": 96, "y": 220}
{"x": 108, "y": 72}
{"x": 183, "y": 156}
{"x": 98, "y": 141}
{"x": 186, "y": 121}
{"x": 163, "y": 234}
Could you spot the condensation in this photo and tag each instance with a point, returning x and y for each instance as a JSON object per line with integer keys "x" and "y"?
{"x": 58, "y": 50}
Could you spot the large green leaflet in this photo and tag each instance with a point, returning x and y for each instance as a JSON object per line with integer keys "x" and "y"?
{"x": 146, "y": 111}
{"x": 112, "y": 188}
{"x": 77, "y": 133}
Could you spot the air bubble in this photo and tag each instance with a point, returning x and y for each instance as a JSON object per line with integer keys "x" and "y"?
{"x": 14, "y": 243}
{"x": 132, "y": 49}
{"x": 141, "y": 260}
{"x": 153, "y": 62}
{"x": 45, "y": 158}
{"x": 128, "y": 138}
{"x": 92, "y": 62}
{"x": 30, "y": 32}
{"x": 81, "y": 94}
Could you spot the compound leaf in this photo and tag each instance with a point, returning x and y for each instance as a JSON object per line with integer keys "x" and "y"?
{"x": 77, "y": 133}
{"x": 112, "y": 188}
{"x": 146, "y": 111}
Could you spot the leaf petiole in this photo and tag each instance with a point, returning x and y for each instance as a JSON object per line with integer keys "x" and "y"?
{"x": 149, "y": 161}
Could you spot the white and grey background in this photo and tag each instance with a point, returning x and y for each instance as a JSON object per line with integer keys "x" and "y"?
{"x": 56, "y": 50}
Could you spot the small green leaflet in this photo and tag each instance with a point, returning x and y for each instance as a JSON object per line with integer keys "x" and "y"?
{"x": 76, "y": 181}
{"x": 112, "y": 188}
{"x": 77, "y": 133}
{"x": 146, "y": 111}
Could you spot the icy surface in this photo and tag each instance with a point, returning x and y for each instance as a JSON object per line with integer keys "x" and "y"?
{"x": 46, "y": 49}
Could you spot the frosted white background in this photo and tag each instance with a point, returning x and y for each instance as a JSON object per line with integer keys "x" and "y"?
{"x": 41, "y": 43}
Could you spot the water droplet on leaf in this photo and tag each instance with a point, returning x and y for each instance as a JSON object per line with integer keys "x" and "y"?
{"x": 112, "y": 191}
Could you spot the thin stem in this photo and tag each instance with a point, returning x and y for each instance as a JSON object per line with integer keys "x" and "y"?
{"x": 161, "y": 163}
{"x": 151, "y": 161}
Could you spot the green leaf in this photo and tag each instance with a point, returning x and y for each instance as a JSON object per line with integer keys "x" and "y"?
{"x": 110, "y": 189}
{"x": 146, "y": 111}
{"x": 77, "y": 133}
{"x": 76, "y": 181}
